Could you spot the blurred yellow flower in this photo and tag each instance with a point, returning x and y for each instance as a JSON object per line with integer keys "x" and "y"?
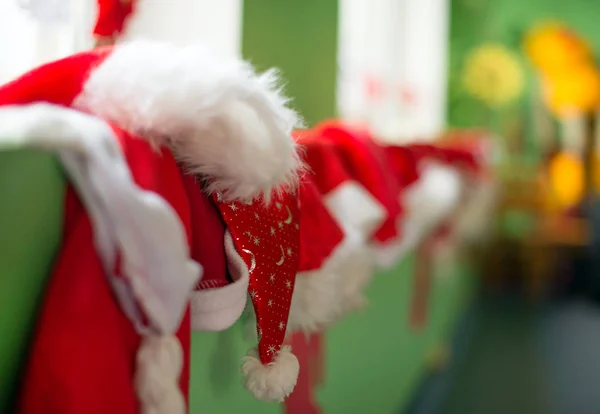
{"x": 552, "y": 46}
{"x": 567, "y": 178}
{"x": 572, "y": 90}
{"x": 493, "y": 74}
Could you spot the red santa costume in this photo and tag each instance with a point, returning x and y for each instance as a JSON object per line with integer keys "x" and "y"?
{"x": 220, "y": 121}
{"x": 134, "y": 204}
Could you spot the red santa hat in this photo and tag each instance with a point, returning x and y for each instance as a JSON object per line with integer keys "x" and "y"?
{"x": 348, "y": 201}
{"x": 431, "y": 198}
{"x": 132, "y": 207}
{"x": 334, "y": 284}
{"x": 368, "y": 164}
{"x": 224, "y": 124}
{"x": 330, "y": 261}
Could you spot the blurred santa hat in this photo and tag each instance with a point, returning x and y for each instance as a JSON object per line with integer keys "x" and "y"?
{"x": 330, "y": 263}
{"x": 368, "y": 164}
{"x": 432, "y": 196}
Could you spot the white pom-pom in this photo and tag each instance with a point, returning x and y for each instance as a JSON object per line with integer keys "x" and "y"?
{"x": 274, "y": 381}
{"x": 159, "y": 365}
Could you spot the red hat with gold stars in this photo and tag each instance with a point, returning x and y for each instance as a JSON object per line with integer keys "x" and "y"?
{"x": 230, "y": 128}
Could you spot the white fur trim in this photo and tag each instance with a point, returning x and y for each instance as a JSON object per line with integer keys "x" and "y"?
{"x": 159, "y": 365}
{"x": 433, "y": 197}
{"x": 215, "y": 113}
{"x": 47, "y": 126}
{"x": 355, "y": 209}
{"x": 324, "y": 296}
{"x": 218, "y": 309}
{"x": 274, "y": 381}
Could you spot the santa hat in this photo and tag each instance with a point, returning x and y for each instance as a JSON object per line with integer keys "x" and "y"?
{"x": 368, "y": 164}
{"x": 325, "y": 289}
{"x": 226, "y": 125}
{"x": 332, "y": 285}
{"x": 348, "y": 201}
{"x": 130, "y": 214}
{"x": 432, "y": 197}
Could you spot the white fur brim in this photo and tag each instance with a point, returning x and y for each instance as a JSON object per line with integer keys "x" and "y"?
{"x": 48, "y": 126}
{"x": 355, "y": 209}
{"x": 323, "y": 296}
{"x": 218, "y": 117}
{"x": 217, "y": 309}
{"x": 274, "y": 381}
{"x": 433, "y": 197}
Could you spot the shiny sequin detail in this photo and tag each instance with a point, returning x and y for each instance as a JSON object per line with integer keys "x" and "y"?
{"x": 267, "y": 238}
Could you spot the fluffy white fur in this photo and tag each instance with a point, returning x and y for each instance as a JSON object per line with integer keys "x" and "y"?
{"x": 324, "y": 296}
{"x": 274, "y": 381}
{"x": 49, "y": 126}
{"x": 218, "y": 117}
{"x": 433, "y": 197}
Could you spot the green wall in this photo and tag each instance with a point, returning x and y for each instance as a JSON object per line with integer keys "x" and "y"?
{"x": 299, "y": 38}
{"x": 374, "y": 359}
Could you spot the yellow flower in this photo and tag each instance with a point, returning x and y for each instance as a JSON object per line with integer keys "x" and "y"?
{"x": 567, "y": 178}
{"x": 493, "y": 74}
{"x": 551, "y": 46}
{"x": 572, "y": 90}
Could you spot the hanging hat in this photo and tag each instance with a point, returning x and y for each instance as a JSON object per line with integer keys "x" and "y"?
{"x": 125, "y": 201}
{"x": 322, "y": 293}
{"x": 368, "y": 164}
{"x": 432, "y": 198}
{"x": 224, "y": 124}
{"x": 332, "y": 283}
{"x": 267, "y": 236}
{"x": 353, "y": 206}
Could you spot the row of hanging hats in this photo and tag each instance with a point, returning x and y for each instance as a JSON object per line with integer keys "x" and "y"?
{"x": 190, "y": 191}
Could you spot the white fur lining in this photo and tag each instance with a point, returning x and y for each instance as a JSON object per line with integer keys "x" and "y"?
{"x": 433, "y": 197}
{"x": 217, "y": 116}
{"x": 323, "y": 296}
{"x": 218, "y": 309}
{"x": 355, "y": 209}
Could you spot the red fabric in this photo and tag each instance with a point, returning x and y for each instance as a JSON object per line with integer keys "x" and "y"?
{"x": 319, "y": 232}
{"x": 112, "y": 15}
{"x": 82, "y": 358}
{"x": 267, "y": 237}
{"x": 456, "y": 157}
{"x": 404, "y": 165}
{"x": 57, "y": 82}
{"x": 325, "y": 165}
{"x": 368, "y": 164}
{"x": 303, "y": 399}
{"x": 208, "y": 233}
